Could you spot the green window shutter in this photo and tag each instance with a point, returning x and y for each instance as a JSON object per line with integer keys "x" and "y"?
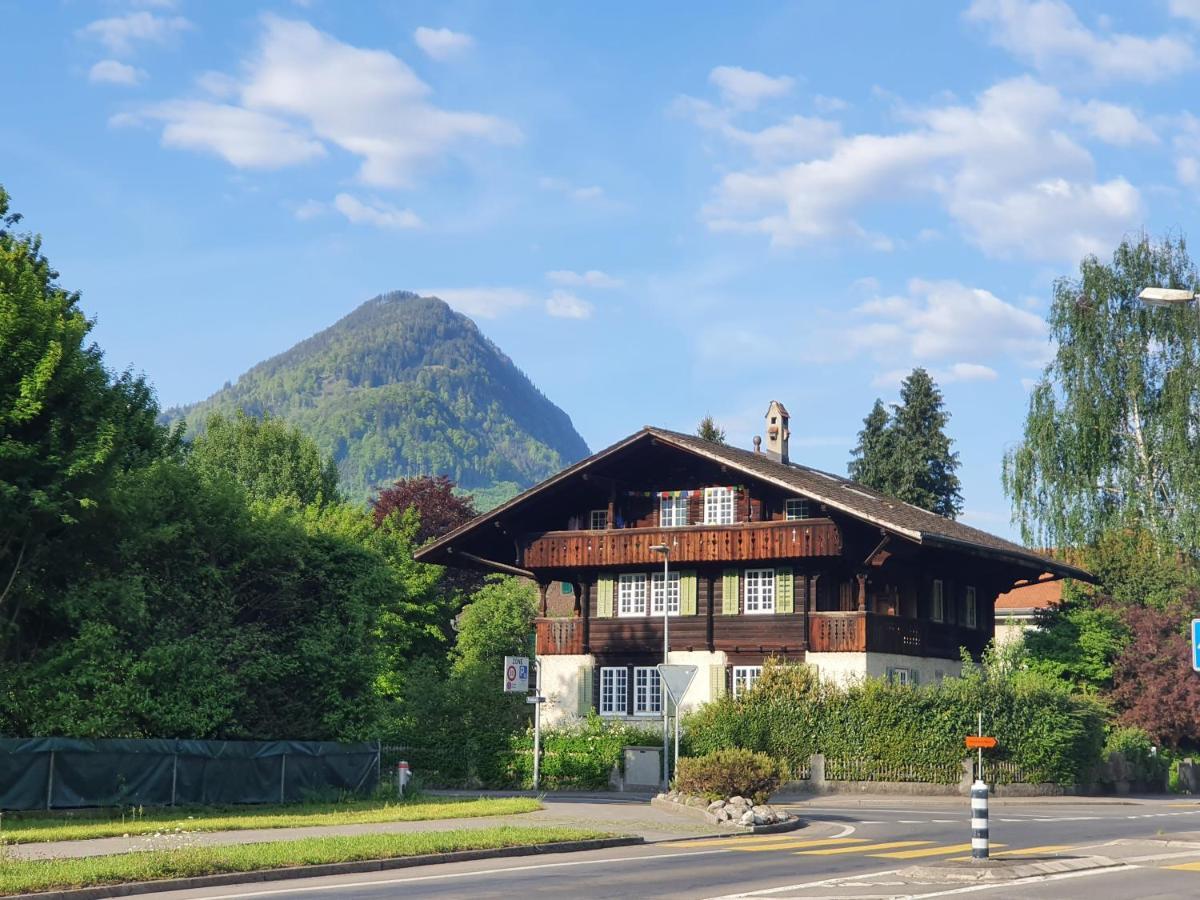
{"x": 585, "y": 690}
{"x": 687, "y": 593}
{"x": 716, "y": 681}
{"x": 730, "y": 587}
{"x": 783, "y": 591}
{"x": 604, "y": 597}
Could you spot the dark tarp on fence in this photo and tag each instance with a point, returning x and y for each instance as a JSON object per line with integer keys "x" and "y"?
{"x": 62, "y": 773}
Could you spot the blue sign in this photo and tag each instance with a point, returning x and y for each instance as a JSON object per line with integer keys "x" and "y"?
{"x": 1196, "y": 644}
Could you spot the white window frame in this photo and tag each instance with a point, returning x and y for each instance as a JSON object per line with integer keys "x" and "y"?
{"x": 758, "y": 592}
{"x": 647, "y": 691}
{"x": 720, "y": 506}
{"x": 603, "y": 520}
{"x": 614, "y": 690}
{"x": 971, "y": 613}
{"x": 792, "y": 503}
{"x": 744, "y": 678}
{"x": 937, "y": 601}
{"x": 656, "y": 594}
{"x": 672, "y": 512}
{"x": 900, "y": 676}
{"x": 631, "y": 595}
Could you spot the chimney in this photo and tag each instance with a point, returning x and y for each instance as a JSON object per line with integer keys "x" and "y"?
{"x": 777, "y": 432}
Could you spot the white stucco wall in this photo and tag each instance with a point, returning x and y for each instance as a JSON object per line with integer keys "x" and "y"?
{"x": 843, "y": 668}
{"x": 560, "y": 686}
{"x": 700, "y": 690}
{"x": 1010, "y": 629}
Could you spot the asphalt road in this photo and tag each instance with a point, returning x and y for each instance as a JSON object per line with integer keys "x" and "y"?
{"x": 844, "y": 840}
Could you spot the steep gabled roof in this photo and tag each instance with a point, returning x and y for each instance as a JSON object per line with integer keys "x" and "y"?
{"x": 838, "y": 493}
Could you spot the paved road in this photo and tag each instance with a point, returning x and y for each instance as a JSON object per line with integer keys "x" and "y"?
{"x": 845, "y": 839}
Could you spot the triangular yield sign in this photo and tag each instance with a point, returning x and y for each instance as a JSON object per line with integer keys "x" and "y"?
{"x": 676, "y": 679}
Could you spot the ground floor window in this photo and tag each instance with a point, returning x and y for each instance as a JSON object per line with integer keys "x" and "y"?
{"x": 971, "y": 615}
{"x": 647, "y": 692}
{"x": 902, "y": 676}
{"x": 744, "y": 678}
{"x": 614, "y": 690}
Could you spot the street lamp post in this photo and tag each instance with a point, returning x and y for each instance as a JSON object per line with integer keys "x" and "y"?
{"x": 662, "y": 688}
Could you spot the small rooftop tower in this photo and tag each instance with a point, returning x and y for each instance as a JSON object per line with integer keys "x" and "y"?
{"x": 777, "y": 432}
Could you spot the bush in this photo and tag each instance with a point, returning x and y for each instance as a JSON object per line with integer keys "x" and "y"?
{"x": 1139, "y": 760}
{"x": 578, "y": 756}
{"x": 728, "y": 773}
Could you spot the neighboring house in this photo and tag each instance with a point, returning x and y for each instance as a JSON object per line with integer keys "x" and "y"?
{"x": 767, "y": 559}
{"x": 1017, "y": 609}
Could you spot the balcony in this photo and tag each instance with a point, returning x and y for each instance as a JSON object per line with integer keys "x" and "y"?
{"x": 559, "y": 636}
{"x": 859, "y": 632}
{"x": 747, "y": 542}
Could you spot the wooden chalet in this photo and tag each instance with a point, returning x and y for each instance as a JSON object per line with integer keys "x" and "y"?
{"x": 767, "y": 559}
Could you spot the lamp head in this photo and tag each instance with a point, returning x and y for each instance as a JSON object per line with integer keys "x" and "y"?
{"x": 660, "y": 548}
{"x": 1156, "y": 296}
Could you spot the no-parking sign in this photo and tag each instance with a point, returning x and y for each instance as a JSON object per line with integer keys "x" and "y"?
{"x": 516, "y": 674}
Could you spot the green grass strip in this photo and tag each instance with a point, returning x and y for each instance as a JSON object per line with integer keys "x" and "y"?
{"x": 360, "y": 812}
{"x": 23, "y": 876}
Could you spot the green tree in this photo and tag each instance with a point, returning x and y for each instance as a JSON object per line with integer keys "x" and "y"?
{"x": 497, "y": 622}
{"x": 710, "y": 430}
{"x": 873, "y": 460}
{"x": 1077, "y": 642}
{"x": 926, "y": 467}
{"x": 66, "y": 423}
{"x": 1111, "y": 437}
{"x": 268, "y": 458}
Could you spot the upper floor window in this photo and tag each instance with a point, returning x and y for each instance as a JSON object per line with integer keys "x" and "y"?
{"x": 760, "y": 590}
{"x": 795, "y": 508}
{"x": 647, "y": 692}
{"x": 970, "y": 613}
{"x": 718, "y": 506}
{"x": 631, "y": 595}
{"x": 744, "y": 678}
{"x": 937, "y": 601}
{"x": 672, "y": 512}
{"x": 670, "y": 597}
{"x": 614, "y": 690}
{"x": 598, "y": 520}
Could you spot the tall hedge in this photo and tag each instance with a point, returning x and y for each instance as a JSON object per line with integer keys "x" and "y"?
{"x": 1051, "y": 734}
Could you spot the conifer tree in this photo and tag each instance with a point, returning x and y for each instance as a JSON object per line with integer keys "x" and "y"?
{"x": 873, "y": 462}
{"x": 710, "y": 430}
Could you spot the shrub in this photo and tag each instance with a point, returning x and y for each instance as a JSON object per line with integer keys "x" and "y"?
{"x": 579, "y": 756}
{"x": 728, "y": 773}
{"x": 1141, "y": 762}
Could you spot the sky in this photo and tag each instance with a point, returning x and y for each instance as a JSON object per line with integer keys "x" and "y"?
{"x": 657, "y": 211}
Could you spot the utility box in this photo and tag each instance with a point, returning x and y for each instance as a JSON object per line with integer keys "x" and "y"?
{"x": 643, "y": 768}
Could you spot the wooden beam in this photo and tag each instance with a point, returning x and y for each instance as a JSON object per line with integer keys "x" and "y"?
{"x": 492, "y": 564}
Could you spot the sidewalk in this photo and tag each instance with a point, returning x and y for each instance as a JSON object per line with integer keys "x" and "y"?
{"x": 619, "y": 815}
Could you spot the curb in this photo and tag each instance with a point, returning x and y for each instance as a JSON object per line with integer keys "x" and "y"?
{"x": 101, "y": 892}
{"x": 730, "y": 829}
{"x": 1016, "y": 869}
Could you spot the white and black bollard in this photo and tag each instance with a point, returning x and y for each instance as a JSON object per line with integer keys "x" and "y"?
{"x": 979, "y": 820}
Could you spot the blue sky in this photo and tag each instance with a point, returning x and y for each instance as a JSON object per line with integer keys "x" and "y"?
{"x": 657, "y": 210}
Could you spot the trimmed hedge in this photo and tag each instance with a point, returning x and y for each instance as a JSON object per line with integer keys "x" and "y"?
{"x": 577, "y": 757}
{"x": 728, "y": 773}
{"x": 1050, "y": 734}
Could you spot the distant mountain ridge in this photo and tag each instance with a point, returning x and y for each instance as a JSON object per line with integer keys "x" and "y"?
{"x": 404, "y": 386}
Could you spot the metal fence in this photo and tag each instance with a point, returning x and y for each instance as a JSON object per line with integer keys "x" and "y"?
{"x": 846, "y": 769}
{"x": 64, "y": 773}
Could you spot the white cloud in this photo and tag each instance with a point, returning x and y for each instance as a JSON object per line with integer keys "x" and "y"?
{"x": 745, "y": 89}
{"x": 120, "y": 34}
{"x": 588, "y": 193}
{"x": 442, "y": 43}
{"x": 375, "y": 212}
{"x": 591, "y": 278}
{"x": 565, "y": 305}
{"x": 1003, "y": 169}
{"x": 1049, "y": 36}
{"x": 1113, "y": 123}
{"x": 1187, "y": 151}
{"x": 794, "y": 136}
{"x": 310, "y": 209}
{"x": 949, "y": 375}
{"x": 1185, "y": 9}
{"x": 485, "y": 302}
{"x": 109, "y": 71}
{"x": 306, "y": 90}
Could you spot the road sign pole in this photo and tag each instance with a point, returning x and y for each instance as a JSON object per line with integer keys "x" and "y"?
{"x": 537, "y": 721}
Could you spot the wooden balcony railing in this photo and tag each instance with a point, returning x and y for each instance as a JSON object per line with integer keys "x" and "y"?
{"x": 857, "y": 632}
{"x": 559, "y": 636}
{"x": 750, "y": 541}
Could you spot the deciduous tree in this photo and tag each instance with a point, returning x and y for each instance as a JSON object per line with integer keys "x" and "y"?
{"x": 439, "y": 509}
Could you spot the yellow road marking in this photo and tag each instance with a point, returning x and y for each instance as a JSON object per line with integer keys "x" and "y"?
{"x": 926, "y": 851}
{"x": 763, "y": 842}
{"x": 797, "y": 844}
{"x": 1187, "y": 867}
{"x": 1048, "y": 848}
{"x": 869, "y": 848}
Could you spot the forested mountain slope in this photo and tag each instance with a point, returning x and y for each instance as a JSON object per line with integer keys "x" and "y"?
{"x": 406, "y": 386}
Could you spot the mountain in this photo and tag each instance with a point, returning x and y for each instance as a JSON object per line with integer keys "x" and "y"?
{"x": 406, "y": 386}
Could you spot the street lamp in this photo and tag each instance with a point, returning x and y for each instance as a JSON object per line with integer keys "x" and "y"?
{"x": 1156, "y": 296}
{"x": 662, "y": 688}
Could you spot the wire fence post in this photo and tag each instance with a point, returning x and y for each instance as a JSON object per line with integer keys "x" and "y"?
{"x": 50, "y": 781}
{"x": 282, "y": 776}
{"x": 174, "y": 772}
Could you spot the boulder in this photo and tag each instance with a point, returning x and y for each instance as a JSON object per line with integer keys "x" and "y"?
{"x": 738, "y": 801}
{"x": 724, "y": 815}
{"x": 711, "y": 818}
{"x": 747, "y": 818}
{"x": 716, "y": 804}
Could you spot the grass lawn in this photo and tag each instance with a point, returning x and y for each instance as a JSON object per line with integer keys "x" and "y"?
{"x": 21, "y": 876}
{"x": 357, "y": 812}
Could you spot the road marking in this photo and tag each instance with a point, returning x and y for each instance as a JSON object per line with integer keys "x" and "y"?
{"x": 1186, "y": 867}
{"x": 928, "y": 851}
{"x": 944, "y": 821}
{"x": 1049, "y": 848}
{"x": 869, "y": 848}
{"x": 795, "y": 844}
{"x": 912, "y": 821}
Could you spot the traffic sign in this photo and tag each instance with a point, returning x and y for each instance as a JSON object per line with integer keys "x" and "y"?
{"x": 676, "y": 679}
{"x": 979, "y": 742}
{"x": 516, "y": 674}
{"x": 1196, "y": 644}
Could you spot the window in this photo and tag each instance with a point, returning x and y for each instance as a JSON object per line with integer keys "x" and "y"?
{"x": 718, "y": 506}
{"x": 760, "y": 590}
{"x": 672, "y": 512}
{"x": 672, "y": 594}
{"x": 796, "y": 508}
{"x": 598, "y": 520}
{"x": 647, "y": 693}
{"x": 631, "y": 595}
{"x": 901, "y": 676}
{"x": 969, "y": 614}
{"x": 614, "y": 690}
{"x": 937, "y": 604}
{"x": 744, "y": 678}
